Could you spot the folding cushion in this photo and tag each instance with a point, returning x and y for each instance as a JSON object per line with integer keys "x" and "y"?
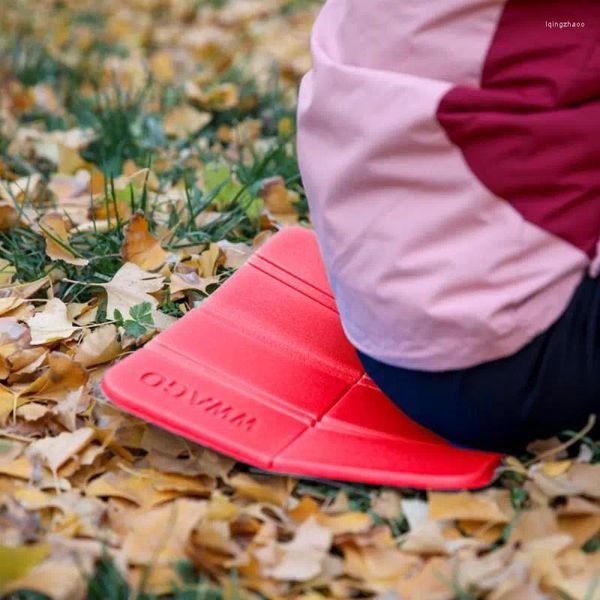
{"x": 263, "y": 372}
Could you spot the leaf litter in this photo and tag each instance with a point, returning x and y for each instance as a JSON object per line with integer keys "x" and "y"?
{"x": 146, "y": 151}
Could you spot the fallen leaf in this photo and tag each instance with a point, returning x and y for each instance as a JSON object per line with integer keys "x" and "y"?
{"x": 129, "y": 287}
{"x": 57, "y": 240}
{"x": 301, "y": 559}
{"x": 55, "y": 451}
{"x": 9, "y": 215}
{"x": 51, "y": 324}
{"x": 275, "y": 490}
{"x": 181, "y": 282}
{"x": 140, "y": 247}
{"x": 387, "y": 504}
{"x": 183, "y": 121}
{"x": 98, "y": 346}
{"x": 467, "y": 506}
{"x": 63, "y": 375}
{"x": 9, "y": 303}
{"x": 159, "y": 536}
{"x": 379, "y": 568}
{"x": 17, "y": 561}
{"x": 62, "y": 579}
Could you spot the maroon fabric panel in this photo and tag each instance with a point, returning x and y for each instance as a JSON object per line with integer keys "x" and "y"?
{"x": 531, "y": 133}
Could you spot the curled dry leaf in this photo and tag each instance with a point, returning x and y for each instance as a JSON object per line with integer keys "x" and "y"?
{"x": 9, "y": 215}
{"x": 51, "y": 324}
{"x": 57, "y": 240}
{"x": 140, "y": 247}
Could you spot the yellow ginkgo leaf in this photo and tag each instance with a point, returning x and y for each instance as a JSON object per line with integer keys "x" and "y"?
{"x": 466, "y": 505}
{"x": 51, "y": 324}
{"x": 9, "y": 303}
{"x": 303, "y": 558}
{"x": 57, "y": 450}
{"x": 57, "y": 240}
{"x": 63, "y": 376}
{"x": 17, "y": 561}
{"x": 140, "y": 247}
{"x": 159, "y": 536}
{"x": 183, "y": 121}
{"x": 129, "y": 287}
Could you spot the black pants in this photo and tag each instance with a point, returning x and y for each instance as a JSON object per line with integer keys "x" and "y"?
{"x": 550, "y": 385}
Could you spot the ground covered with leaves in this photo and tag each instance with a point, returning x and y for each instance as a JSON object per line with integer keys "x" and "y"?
{"x": 146, "y": 150}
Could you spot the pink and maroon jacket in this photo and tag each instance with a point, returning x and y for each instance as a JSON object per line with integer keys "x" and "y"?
{"x": 450, "y": 150}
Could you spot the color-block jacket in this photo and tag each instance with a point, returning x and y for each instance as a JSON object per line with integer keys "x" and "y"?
{"x": 450, "y": 150}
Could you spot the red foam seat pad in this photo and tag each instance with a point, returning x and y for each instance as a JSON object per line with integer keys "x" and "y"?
{"x": 263, "y": 372}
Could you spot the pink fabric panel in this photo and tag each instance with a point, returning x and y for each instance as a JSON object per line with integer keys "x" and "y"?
{"x": 436, "y": 39}
{"x": 430, "y": 269}
{"x": 530, "y": 132}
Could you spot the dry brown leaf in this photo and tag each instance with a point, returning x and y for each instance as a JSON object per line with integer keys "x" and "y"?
{"x": 140, "y": 247}
{"x": 9, "y": 215}
{"x": 57, "y": 240}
